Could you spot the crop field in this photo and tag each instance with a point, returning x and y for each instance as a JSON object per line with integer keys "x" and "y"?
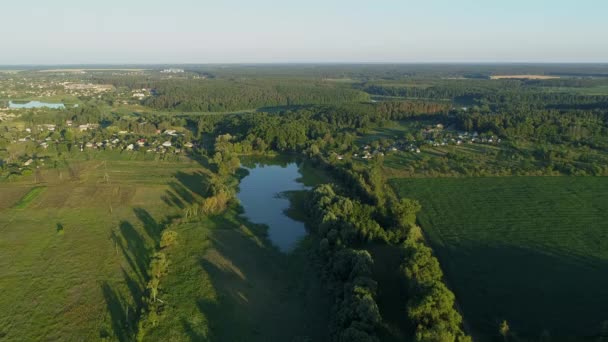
{"x": 529, "y": 250}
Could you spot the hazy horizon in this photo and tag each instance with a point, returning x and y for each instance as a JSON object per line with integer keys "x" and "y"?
{"x": 68, "y": 32}
{"x": 354, "y": 63}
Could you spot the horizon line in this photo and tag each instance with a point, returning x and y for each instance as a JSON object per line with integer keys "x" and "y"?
{"x": 308, "y": 63}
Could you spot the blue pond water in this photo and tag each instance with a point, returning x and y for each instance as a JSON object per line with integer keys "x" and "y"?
{"x": 35, "y": 104}
{"x": 260, "y": 195}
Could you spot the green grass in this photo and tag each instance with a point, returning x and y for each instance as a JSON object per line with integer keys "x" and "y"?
{"x": 226, "y": 283}
{"x": 74, "y": 253}
{"x": 29, "y": 197}
{"x": 531, "y": 250}
{"x": 74, "y": 260}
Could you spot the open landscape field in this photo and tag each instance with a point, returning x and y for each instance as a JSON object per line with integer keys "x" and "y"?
{"x": 75, "y": 250}
{"x": 529, "y": 250}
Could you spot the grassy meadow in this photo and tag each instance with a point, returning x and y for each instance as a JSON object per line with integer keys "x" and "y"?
{"x": 227, "y": 283}
{"x": 76, "y": 247}
{"x": 529, "y": 250}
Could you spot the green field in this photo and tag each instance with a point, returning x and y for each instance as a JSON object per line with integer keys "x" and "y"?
{"x": 597, "y": 90}
{"x": 75, "y": 251}
{"x": 531, "y": 250}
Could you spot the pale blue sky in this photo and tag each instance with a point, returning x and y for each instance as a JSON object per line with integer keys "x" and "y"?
{"x": 242, "y": 31}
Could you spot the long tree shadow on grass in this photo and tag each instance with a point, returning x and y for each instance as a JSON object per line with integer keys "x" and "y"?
{"x": 133, "y": 248}
{"x": 195, "y": 182}
{"x": 122, "y": 323}
{"x": 184, "y": 193}
{"x": 152, "y": 228}
{"x": 135, "y": 289}
{"x": 263, "y": 295}
{"x": 172, "y": 200}
{"x": 537, "y": 292}
{"x": 193, "y": 334}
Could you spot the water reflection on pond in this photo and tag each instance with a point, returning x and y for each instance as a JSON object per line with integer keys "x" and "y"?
{"x": 262, "y": 195}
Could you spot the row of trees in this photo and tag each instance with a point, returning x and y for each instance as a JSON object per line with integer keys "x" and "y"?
{"x": 347, "y": 271}
{"x": 159, "y": 267}
{"x": 431, "y": 304}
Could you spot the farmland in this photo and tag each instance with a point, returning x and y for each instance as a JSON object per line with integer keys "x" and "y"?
{"x": 529, "y": 250}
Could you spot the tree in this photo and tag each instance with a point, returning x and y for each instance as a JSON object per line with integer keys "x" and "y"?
{"x": 168, "y": 238}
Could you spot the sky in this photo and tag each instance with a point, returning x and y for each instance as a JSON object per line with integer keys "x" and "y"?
{"x": 304, "y": 31}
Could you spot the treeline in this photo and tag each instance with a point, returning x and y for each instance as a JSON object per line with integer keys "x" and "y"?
{"x": 431, "y": 305}
{"x": 553, "y": 126}
{"x": 444, "y": 89}
{"x": 225, "y": 95}
{"x": 298, "y": 128}
{"x": 541, "y": 100}
{"x": 498, "y": 94}
{"x": 346, "y": 270}
{"x": 344, "y": 226}
{"x": 344, "y": 222}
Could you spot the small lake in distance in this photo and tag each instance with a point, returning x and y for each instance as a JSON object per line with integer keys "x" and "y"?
{"x": 261, "y": 194}
{"x": 34, "y": 104}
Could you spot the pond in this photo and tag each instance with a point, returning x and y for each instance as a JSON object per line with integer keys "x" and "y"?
{"x": 35, "y": 104}
{"x": 262, "y": 195}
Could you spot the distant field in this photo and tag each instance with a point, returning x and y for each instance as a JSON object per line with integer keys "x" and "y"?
{"x": 528, "y": 77}
{"x": 597, "y": 90}
{"x": 531, "y": 250}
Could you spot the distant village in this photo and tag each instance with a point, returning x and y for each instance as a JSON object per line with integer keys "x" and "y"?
{"x": 46, "y": 136}
{"x": 431, "y": 136}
